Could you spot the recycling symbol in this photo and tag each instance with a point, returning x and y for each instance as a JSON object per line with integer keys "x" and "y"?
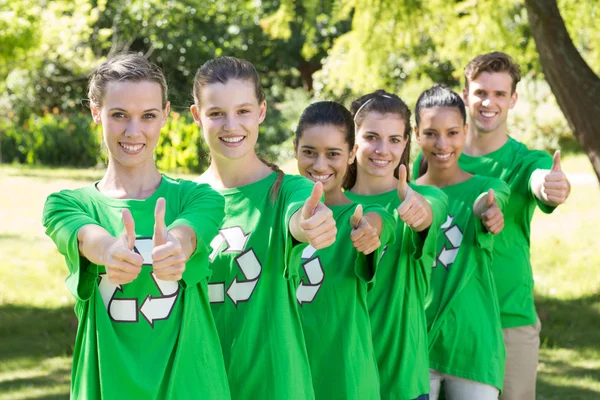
{"x": 313, "y": 269}
{"x": 454, "y": 236}
{"x": 152, "y": 308}
{"x": 238, "y": 291}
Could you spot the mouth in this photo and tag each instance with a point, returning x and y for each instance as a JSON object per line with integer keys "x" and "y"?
{"x": 319, "y": 177}
{"x": 487, "y": 114}
{"x": 130, "y": 148}
{"x": 442, "y": 157}
{"x": 232, "y": 141}
{"x": 380, "y": 163}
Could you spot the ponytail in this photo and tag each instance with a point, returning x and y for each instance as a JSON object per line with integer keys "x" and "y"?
{"x": 274, "y": 192}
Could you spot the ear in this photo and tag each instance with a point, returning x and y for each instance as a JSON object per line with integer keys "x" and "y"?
{"x": 353, "y": 154}
{"x": 296, "y": 149}
{"x": 513, "y": 100}
{"x": 166, "y": 112}
{"x": 417, "y": 136}
{"x": 262, "y": 112}
{"x": 196, "y": 114}
{"x": 96, "y": 114}
{"x": 465, "y": 96}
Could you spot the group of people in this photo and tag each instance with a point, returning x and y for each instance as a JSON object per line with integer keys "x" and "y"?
{"x": 347, "y": 281}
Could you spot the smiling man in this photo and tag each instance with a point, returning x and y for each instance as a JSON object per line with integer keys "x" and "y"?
{"x": 535, "y": 179}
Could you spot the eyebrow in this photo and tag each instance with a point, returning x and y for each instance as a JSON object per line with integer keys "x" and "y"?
{"x": 304, "y": 146}
{"x": 122, "y": 109}
{"x": 375, "y": 133}
{"x": 236, "y": 106}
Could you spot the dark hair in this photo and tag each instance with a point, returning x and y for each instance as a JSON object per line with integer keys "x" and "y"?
{"x": 124, "y": 68}
{"x": 380, "y": 102}
{"x": 329, "y": 113}
{"x": 493, "y": 62}
{"x": 224, "y": 69}
{"x": 437, "y": 96}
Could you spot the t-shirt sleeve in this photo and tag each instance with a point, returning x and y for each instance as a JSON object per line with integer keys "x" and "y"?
{"x": 63, "y": 216}
{"x": 366, "y": 266}
{"x": 538, "y": 160}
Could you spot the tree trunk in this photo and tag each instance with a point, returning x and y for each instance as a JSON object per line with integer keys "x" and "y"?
{"x": 574, "y": 84}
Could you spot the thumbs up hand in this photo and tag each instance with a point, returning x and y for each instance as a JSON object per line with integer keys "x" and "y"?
{"x": 168, "y": 256}
{"x": 556, "y": 187}
{"x": 365, "y": 237}
{"x": 489, "y": 212}
{"x": 317, "y": 221}
{"x": 123, "y": 264}
{"x": 415, "y": 211}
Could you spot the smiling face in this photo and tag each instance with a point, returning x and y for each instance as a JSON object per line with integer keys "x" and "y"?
{"x": 488, "y": 99}
{"x": 441, "y": 134}
{"x": 381, "y": 142}
{"x": 131, "y": 116}
{"x": 229, "y": 115}
{"x": 323, "y": 155}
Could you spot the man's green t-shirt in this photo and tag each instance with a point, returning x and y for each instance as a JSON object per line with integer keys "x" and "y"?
{"x": 463, "y": 316}
{"x": 397, "y": 299}
{"x": 150, "y": 338}
{"x": 252, "y": 298}
{"x": 513, "y": 163}
{"x": 332, "y": 294}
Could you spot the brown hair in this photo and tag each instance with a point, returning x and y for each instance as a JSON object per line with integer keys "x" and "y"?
{"x": 380, "y": 102}
{"x": 222, "y": 70}
{"x": 124, "y": 67}
{"x": 493, "y": 62}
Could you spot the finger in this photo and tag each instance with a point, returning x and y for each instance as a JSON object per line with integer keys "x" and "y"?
{"x": 129, "y": 228}
{"x": 556, "y": 161}
{"x": 356, "y": 234}
{"x": 402, "y": 182}
{"x": 160, "y": 228}
{"x": 356, "y": 217}
{"x": 491, "y": 198}
{"x": 406, "y": 206}
{"x": 365, "y": 241}
{"x": 553, "y": 185}
{"x": 313, "y": 201}
{"x": 324, "y": 240}
{"x": 172, "y": 269}
{"x": 325, "y": 228}
{"x": 371, "y": 249}
{"x": 165, "y": 251}
{"x": 322, "y": 214}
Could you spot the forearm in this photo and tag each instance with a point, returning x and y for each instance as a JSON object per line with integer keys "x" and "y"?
{"x": 93, "y": 242}
{"x": 186, "y": 237}
{"x": 295, "y": 229}
{"x": 537, "y": 184}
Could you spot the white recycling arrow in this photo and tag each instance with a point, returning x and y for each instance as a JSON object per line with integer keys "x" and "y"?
{"x": 157, "y": 308}
{"x": 235, "y": 238}
{"x": 120, "y": 310}
{"x": 454, "y": 235}
{"x": 216, "y": 292}
{"x": 216, "y": 244}
{"x": 447, "y": 256}
{"x": 313, "y": 269}
{"x": 448, "y": 222}
{"x": 240, "y": 291}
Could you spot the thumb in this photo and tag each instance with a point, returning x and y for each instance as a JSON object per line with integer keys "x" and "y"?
{"x": 129, "y": 228}
{"x": 402, "y": 182}
{"x": 313, "y": 201}
{"x": 356, "y": 217}
{"x": 556, "y": 161}
{"x": 491, "y": 198}
{"x": 160, "y": 229}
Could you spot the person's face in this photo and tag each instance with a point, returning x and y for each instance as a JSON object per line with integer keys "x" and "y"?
{"x": 441, "y": 134}
{"x": 131, "y": 116}
{"x": 323, "y": 155}
{"x": 488, "y": 99}
{"x": 229, "y": 115}
{"x": 381, "y": 142}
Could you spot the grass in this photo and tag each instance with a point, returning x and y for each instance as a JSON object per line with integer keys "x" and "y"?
{"x": 37, "y": 328}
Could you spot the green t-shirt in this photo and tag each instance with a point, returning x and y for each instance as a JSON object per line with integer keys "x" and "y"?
{"x": 150, "y": 338}
{"x": 253, "y": 299}
{"x": 397, "y": 300}
{"x": 463, "y": 316}
{"x": 332, "y": 294}
{"x": 513, "y": 163}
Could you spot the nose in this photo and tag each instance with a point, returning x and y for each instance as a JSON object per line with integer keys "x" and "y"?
{"x": 440, "y": 143}
{"x": 320, "y": 164}
{"x": 133, "y": 128}
{"x": 230, "y": 123}
{"x": 486, "y": 103}
{"x": 382, "y": 147}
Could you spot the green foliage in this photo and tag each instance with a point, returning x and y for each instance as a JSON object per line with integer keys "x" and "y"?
{"x": 180, "y": 147}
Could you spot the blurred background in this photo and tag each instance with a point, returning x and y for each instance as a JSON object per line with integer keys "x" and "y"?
{"x": 305, "y": 51}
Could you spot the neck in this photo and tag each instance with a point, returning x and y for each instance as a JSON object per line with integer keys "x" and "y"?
{"x": 336, "y": 197}
{"x": 438, "y": 177}
{"x": 481, "y": 143}
{"x": 227, "y": 174}
{"x": 130, "y": 183}
{"x": 372, "y": 185}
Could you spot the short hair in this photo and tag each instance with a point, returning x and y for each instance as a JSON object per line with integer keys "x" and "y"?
{"x": 125, "y": 67}
{"x": 493, "y": 62}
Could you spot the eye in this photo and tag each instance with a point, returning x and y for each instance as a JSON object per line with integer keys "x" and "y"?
{"x": 118, "y": 114}
{"x": 371, "y": 138}
{"x": 149, "y": 116}
{"x": 244, "y": 111}
{"x": 452, "y": 133}
{"x": 333, "y": 154}
{"x": 215, "y": 114}
{"x": 428, "y": 133}
{"x": 395, "y": 140}
{"x": 307, "y": 152}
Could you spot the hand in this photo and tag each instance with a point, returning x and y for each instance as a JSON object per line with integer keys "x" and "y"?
{"x": 123, "y": 265}
{"x": 365, "y": 238}
{"x": 317, "y": 221}
{"x": 556, "y": 187}
{"x": 415, "y": 211}
{"x": 168, "y": 257}
{"x": 491, "y": 216}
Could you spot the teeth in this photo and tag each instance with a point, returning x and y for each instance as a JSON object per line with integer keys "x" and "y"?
{"x": 380, "y": 162}
{"x": 443, "y": 156}
{"x": 488, "y": 114}
{"x": 234, "y": 139}
{"x": 130, "y": 147}
{"x": 320, "y": 177}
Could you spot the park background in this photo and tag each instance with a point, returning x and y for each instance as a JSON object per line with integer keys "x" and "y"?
{"x": 305, "y": 51}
